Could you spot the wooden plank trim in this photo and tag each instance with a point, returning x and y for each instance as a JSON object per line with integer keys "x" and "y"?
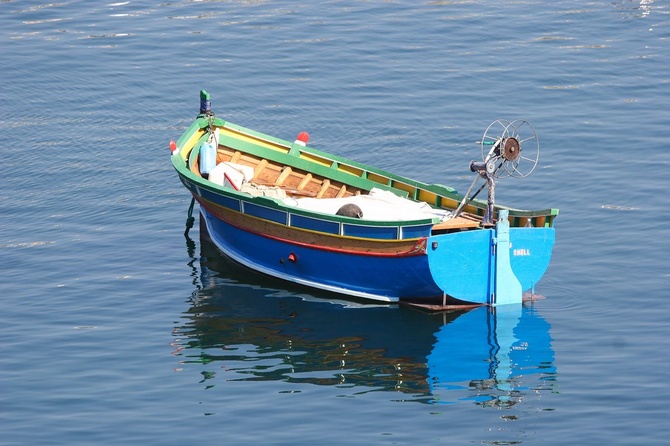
{"x": 460, "y": 222}
{"x": 283, "y": 175}
{"x": 260, "y": 167}
{"x": 324, "y": 187}
{"x": 305, "y": 181}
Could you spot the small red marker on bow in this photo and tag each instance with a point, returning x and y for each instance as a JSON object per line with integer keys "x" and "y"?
{"x": 173, "y": 147}
{"x": 302, "y": 138}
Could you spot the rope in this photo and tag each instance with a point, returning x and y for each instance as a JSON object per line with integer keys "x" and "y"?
{"x": 191, "y": 219}
{"x": 465, "y": 201}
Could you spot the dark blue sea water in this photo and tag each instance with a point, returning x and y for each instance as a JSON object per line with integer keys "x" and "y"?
{"x": 116, "y": 329}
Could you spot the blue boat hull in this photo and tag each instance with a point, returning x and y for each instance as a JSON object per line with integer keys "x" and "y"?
{"x": 456, "y": 269}
{"x": 379, "y": 278}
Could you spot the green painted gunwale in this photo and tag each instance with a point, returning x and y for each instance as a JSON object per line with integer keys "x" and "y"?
{"x": 291, "y": 158}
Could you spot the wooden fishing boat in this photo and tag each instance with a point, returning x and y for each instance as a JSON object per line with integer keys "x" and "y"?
{"x": 297, "y": 213}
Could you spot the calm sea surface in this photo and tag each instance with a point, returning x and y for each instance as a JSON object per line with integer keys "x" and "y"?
{"x": 116, "y": 329}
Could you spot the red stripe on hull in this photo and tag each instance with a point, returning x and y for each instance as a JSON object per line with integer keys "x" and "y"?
{"x": 415, "y": 247}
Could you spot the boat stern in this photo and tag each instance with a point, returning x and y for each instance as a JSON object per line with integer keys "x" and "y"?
{"x": 490, "y": 266}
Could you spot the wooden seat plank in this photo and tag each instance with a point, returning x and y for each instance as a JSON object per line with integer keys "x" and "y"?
{"x": 460, "y": 222}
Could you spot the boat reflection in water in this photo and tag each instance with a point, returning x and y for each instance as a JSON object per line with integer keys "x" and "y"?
{"x": 492, "y": 356}
{"x": 242, "y": 326}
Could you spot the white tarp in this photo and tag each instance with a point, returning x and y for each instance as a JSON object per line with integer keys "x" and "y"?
{"x": 231, "y": 175}
{"x": 378, "y": 205}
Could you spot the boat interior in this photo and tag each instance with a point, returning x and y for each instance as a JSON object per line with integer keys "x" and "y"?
{"x": 300, "y": 172}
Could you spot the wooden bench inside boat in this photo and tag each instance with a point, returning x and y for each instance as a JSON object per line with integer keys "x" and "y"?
{"x": 463, "y": 221}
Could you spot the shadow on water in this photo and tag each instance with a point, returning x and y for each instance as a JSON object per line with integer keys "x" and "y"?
{"x": 242, "y": 326}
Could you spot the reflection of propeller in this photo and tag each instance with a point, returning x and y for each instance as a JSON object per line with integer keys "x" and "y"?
{"x": 513, "y": 147}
